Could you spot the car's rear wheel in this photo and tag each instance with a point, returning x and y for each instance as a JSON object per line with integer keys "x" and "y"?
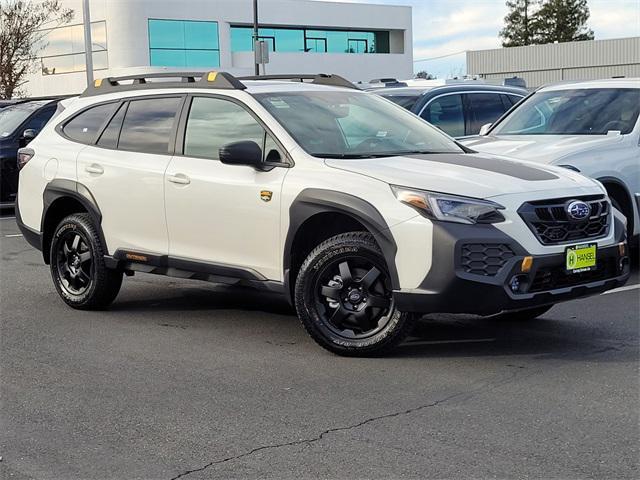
{"x": 343, "y": 296}
{"x": 523, "y": 315}
{"x": 77, "y": 265}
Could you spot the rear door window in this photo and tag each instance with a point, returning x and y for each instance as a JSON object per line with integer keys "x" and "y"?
{"x": 148, "y": 125}
{"x": 84, "y": 127}
{"x": 109, "y": 137}
{"x": 483, "y": 108}
{"x": 446, "y": 113}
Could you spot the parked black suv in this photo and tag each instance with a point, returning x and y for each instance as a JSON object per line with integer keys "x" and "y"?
{"x": 19, "y": 124}
{"x": 457, "y": 109}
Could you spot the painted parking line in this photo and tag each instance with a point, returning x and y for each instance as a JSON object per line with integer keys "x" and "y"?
{"x": 7, "y": 218}
{"x": 626, "y": 288}
{"x": 13, "y": 235}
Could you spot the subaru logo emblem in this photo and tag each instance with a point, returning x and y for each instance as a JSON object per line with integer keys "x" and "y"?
{"x": 578, "y": 211}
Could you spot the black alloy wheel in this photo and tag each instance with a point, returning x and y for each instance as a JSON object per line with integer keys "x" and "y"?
{"x": 78, "y": 268}
{"x": 344, "y": 297}
{"x": 75, "y": 265}
{"x": 353, "y": 297}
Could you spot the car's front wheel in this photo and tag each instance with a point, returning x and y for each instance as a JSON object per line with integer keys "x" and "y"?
{"x": 343, "y": 296}
{"x": 77, "y": 265}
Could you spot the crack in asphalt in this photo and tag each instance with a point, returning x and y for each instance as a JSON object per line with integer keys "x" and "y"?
{"x": 518, "y": 373}
{"x": 351, "y": 427}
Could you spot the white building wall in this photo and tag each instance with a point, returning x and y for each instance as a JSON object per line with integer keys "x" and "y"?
{"x": 128, "y": 39}
{"x": 541, "y": 64}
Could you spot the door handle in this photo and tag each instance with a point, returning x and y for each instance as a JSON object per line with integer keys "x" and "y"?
{"x": 94, "y": 168}
{"x": 179, "y": 178}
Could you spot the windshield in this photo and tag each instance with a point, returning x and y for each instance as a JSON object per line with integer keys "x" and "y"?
{"x": 592, "y": 111}
{"x": 336, "y": 124}
{"x": 13, "y": 116}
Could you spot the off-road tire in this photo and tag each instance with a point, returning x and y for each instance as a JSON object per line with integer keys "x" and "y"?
{"x": 102, "y": 284}
{"x": 354, "y": 247}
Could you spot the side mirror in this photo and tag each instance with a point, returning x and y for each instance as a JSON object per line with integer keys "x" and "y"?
{"x": 484, "y": 129}
{"x": 242, "y": 153}
{"x": 28, "y": 135}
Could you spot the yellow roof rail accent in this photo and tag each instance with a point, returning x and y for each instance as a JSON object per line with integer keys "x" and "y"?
{"x": 97, "y": 82}
{"x": 211, "y": 77}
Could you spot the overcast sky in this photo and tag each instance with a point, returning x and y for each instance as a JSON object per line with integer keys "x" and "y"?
{"x": 446, "y": 27}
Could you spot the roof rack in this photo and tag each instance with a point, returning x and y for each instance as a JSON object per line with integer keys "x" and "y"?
{"x": 317, "y": 79}
{"x": 221, "y": 80}
{"x": 213, "y": 79}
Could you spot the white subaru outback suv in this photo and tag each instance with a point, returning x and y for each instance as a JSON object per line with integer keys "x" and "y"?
{"x": 359, "y": 212}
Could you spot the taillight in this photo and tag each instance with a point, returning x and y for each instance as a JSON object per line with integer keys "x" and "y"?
{"x": 24, "y": 155}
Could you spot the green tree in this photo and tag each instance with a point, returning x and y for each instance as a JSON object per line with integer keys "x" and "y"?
{"x": 23, "y": 25}
{"x": 425, "y": 75}
{"x": 564, "y": 21}
{"x": 520, "y": 23}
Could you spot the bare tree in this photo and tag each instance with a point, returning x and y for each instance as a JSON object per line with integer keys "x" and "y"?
{"x": 23, "y": 28}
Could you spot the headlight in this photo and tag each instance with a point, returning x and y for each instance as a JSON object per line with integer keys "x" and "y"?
{"x": 449, "y": 208}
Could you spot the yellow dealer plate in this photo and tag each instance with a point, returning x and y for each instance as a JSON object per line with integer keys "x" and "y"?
{"x": 581, "y": 258}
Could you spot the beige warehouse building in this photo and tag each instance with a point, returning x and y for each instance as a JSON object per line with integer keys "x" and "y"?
{"x": 542, "y": 64}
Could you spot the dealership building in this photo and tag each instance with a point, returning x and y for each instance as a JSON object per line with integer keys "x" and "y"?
{"x": 556, "y": 62}
{"x": 357, "y": 41}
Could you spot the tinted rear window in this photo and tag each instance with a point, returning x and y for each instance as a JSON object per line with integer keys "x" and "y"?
{"x": 406, "y": 101}
{"x": 84, "y": 127}
{"x": 147, "y": 125}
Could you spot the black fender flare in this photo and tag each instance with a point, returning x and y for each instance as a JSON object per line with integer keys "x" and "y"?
{"x": 313, "y": 201}
{"x": 627, "y": 193}
{"x": 62, "y": 188}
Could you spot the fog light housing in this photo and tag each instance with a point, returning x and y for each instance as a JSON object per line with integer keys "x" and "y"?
{"x": 519, "y": 283}
{"x": 622, "y": 263}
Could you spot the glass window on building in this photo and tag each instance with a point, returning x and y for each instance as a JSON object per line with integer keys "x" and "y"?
{"x": 62, "y": 49}
{"x": 183, "y": 43}
{"x": 307, "y": 40}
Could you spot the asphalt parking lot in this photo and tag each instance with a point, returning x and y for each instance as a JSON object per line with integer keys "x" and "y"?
{"x": 192, "y": 380}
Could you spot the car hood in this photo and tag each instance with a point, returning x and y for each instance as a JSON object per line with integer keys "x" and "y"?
{"x": 540, "y": 148}
{"x": 473, "y": 175}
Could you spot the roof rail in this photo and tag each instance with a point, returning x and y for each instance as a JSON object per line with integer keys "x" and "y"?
{"x": 317, "y": 79}
{"x": 213, "y": 79}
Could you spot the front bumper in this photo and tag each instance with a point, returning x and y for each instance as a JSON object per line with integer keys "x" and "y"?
{"x": 450, "y": 286}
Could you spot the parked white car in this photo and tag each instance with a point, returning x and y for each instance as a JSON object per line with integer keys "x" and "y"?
{"x": 591, "y": 127}
{"x": 357, "y": 211}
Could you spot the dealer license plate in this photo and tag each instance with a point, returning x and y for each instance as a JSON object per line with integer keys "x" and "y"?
{"x": 581, "y": 258}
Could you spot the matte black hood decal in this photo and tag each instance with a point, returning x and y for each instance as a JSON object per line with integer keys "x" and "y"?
{"x": 490, "y": 164}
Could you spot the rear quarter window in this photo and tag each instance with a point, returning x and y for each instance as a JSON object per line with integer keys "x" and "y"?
{"x": 84, "y": 127}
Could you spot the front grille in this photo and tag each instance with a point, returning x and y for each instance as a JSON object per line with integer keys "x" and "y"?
{"x": 550, "y": 278}
{"x": 485, "y": 258}
{"x": 549, "y": 221}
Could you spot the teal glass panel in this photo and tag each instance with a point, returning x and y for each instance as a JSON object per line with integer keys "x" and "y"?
{"x": 202, "y": 58}
{"x": 167, "y": 58}
{"x": 337, "y": 42}
{"x": 166, "y": 34}
{"x": 201, "y": 35}
{"x": 241, "y": 39}
{"x": 316, "y": 34}
{"x": 289, "y": 40}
